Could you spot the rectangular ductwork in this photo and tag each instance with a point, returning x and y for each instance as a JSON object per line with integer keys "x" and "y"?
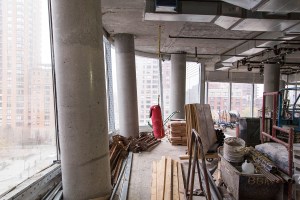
{"x": 228, "y": 16}
{"x": 169, "y": 6}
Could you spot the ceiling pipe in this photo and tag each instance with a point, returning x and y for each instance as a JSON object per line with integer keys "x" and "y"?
{"x": 246, "y": 39}
{"x": 200, "y": 54}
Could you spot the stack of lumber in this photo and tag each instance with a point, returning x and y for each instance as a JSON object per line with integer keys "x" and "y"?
{"x": 177, "y": 132}
{"x": 167, "y": 180}
{"x": 199, "y": 117}
{"x": 118, "y": 152}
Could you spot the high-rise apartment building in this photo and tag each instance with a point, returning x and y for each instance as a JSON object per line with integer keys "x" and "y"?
{"x": 25, "y": 84}
{"x": 148, "y": 88}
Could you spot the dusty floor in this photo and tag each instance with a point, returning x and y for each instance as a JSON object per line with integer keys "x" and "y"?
{"x": 141, "y": 174}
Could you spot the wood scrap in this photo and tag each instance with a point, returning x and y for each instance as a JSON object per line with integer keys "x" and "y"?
{"x": 120, "y": 146}
{"x": 167, "y": 180}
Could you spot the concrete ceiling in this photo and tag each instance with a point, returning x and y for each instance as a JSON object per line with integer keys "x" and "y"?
{"x": 129, "y": 17}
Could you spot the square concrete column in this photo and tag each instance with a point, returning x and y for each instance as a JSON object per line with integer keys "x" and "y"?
{"x": 178, "y": 78}
{"x": 126, "y": 85}
{"x": 81, "y": 99}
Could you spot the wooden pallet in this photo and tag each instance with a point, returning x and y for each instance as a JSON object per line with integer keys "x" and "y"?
{"x": 167, "y": 180}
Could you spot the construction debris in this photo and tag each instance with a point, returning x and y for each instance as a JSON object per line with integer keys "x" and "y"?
{"x": 177, "y": 132}
{"x": 167, "y": 180}
{"x": 264, "y": 165}
{"x": 120, "y": 146}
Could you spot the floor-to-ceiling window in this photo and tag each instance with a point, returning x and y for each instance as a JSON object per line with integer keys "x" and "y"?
{"x": 192, "y": 83}
{"x": 27, "y": 123}
{"x": 218, "y": 98}
{"x": 241, "y": 99}
{"x": 257, "y": 99}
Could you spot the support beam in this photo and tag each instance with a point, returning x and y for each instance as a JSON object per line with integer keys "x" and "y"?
{"x": 271, "y": 81}
{"x": 81, "y": 93}
{"x": 178, "y": 77}
{"x": 126, "y": 84}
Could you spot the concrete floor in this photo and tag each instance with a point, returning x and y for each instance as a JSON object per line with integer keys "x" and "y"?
{"x": 141, "y": 174}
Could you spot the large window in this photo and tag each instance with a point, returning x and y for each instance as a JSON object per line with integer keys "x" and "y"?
{"x": 218, "y": 98}
{"x": 166, "y": 79}
{"x": 147, "y": 72}
{"x": 115, "y": 90}
{"x": 241, "y": 99}
{"x": 27, "y": 124}
{"x": 192, "y": 83}
{"x": 257, "y": 99}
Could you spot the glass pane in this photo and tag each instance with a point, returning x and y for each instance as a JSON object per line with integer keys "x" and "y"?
{"x": 192, "y": 83}
{"x": 147, "y": 73}
{"x": 218, "y": 98}
{"x": 115, "y": 90}
{"x": 257, "y": 98}
{"x": 241, "y": 99}
{"x": 27, "y": 129}
{"x": 166, "y": 76}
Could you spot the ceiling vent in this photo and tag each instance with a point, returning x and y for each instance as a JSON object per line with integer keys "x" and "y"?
{"x": 168, "y": 6}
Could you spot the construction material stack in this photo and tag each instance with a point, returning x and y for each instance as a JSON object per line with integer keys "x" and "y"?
{"x": 177, "y": 132}
{"x": 167, "y": 180}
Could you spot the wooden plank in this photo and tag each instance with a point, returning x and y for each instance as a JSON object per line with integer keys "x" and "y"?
{"x": 183, "y": 157}
{"x": 168, "y": 181}
{"x": 161, "y": 174}
{"x": 154, "y": 183}
{"x": 175, "y": 181}
{"x": 180, "y": 183}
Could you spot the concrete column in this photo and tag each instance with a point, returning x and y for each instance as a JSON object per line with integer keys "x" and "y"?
{"x": 282, "y": 84}
{"x": 81, "y": 98}
{"x": 126, "y": 85}
{"x": 202, "y": 83}
{"x": 271, "y": 81}
{"x": 178, "y": 77}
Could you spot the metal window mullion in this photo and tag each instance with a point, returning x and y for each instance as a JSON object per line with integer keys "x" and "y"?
{"x": 161, "y": 87}
{"x": 230, "y": 94}
{"x": 252, "y": 101}
{"x": 54, "y": 81}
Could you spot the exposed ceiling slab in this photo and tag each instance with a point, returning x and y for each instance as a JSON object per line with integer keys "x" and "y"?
{"x": 234, "y": 19}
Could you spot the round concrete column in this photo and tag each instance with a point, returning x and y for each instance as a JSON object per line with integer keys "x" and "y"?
{"x": 282, "y": 84}
{"x": 178, "y": 76}
{"x": 271, "y": 81}
{"x": 81, "y": 99}
{"x": 126, "y": 84}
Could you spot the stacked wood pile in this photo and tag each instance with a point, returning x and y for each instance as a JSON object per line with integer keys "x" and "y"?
{"x": 167, "y": 180}
{"x": 118, "y": 152}
{"x": 177, "y": 132}
{"x": 120, "y": 146}
{"x": 199, "y": 117}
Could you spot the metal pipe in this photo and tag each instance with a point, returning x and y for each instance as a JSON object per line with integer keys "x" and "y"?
{"x": 218, "y": 38}
{"x": 275, "y": 139}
